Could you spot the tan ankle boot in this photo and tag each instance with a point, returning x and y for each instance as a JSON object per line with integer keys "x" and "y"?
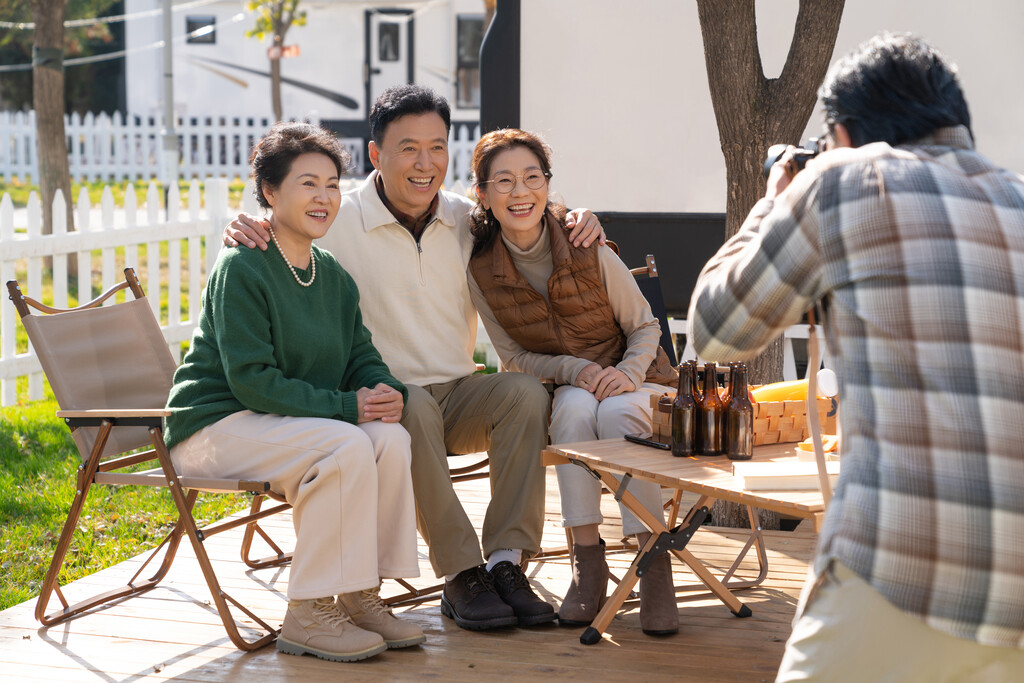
{"x": 316, "y": 627}
{"x": 659, "y": 613}
{"x": 589, "y": 586}
{"x": 369, "y": 612}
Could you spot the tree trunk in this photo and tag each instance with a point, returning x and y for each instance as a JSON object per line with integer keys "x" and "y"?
{"x": 275, "y": 87}
{"x": 48, "y": 101}
{"x": 753, "y": 113}
{"x": 725, "y": 513}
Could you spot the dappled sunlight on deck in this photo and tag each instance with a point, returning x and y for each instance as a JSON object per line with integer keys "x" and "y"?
{"x": 173, "y": 633}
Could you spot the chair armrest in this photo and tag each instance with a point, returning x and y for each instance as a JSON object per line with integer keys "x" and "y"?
{"x": 114, "y": 412}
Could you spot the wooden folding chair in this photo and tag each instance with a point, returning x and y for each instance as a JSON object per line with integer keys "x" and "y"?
{"x": 111, "y": 370}
{"x": 650, "y": 286}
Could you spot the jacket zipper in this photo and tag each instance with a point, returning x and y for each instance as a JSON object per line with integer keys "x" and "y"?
{"x": 419, "y": 251}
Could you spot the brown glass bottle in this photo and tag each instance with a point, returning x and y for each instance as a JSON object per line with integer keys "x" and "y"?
{"x": 684, "y": 416}
{"x": 709, "y": 416}
{"x": 739, "y": 419}
{"x": 691, "y": 367}
{"x": 728, "y": 387}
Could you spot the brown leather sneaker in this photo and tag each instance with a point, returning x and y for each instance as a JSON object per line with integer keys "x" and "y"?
{"x": 514, "y": 588}
{"x": 470, "y": 599}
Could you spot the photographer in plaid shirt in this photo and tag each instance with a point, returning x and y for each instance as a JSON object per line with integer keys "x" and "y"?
{"x": 914, "y": 245}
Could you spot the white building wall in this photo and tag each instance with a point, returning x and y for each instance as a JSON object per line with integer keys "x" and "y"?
{"x": 619, "y": 89}
{"x": 332, "y": 56}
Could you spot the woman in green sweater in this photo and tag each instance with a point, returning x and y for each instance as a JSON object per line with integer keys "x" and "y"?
{"x": 283, "y": 383}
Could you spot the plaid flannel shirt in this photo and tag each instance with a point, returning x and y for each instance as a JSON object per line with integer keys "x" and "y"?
{"x": 918, "y": 251}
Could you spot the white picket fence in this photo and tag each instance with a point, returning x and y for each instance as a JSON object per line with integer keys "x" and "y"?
{"x": 114, "y": 148}
{"x": 461, "y": 144}
{"x": 179, "y": 241}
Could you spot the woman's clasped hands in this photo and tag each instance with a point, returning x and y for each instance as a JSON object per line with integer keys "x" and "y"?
{"x": 604, "y": 382}
{"x": 382, "y": 403}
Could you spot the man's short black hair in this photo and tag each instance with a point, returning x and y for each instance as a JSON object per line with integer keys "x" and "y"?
{"x": 894, "y": 88}
{"x": 399, "y": 100}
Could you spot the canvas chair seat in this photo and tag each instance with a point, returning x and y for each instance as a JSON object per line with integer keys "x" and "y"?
{"x": 111, "y": 371}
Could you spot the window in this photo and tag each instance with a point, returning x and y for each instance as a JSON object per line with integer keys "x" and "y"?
{"x": 388, "y": 49}
{"x": 201, "y": 29}
{"x": 469, "y": 34}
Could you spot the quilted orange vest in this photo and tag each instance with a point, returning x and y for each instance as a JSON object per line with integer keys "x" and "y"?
{"x": 576, "y": 319}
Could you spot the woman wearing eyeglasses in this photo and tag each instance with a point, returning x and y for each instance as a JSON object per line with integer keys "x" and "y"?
{"x": 577, "y": 316}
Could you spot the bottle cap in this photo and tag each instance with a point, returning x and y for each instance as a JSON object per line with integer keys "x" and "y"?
{"x": 828, "y": 383}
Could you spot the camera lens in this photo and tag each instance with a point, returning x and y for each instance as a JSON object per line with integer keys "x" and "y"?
{"x": 775, "y": 153}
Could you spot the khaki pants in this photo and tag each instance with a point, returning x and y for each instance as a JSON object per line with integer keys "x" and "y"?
{"x": 505, "y": 414}
{"x": 846, "y": 631}
{"x": 349, "y": 486}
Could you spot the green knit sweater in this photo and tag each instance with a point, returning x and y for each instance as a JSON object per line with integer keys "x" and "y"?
{"x": 268, "y": 345}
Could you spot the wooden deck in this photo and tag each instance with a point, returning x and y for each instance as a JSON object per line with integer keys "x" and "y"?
{"x": 171, "y": 633}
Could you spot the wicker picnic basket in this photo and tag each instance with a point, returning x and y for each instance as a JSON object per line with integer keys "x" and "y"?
{"x": 774, "y": 421}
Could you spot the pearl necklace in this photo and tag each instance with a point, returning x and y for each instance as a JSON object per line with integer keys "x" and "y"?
{"x": 295, "y": 273}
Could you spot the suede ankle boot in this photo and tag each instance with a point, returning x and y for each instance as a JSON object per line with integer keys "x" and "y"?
{"x": 589, "y": 586}
{"x": 659, "y": 613}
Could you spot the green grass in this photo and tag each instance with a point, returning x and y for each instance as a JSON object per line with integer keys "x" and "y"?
{"x": 20, "y": 191}
{"x": 38, "y": 462}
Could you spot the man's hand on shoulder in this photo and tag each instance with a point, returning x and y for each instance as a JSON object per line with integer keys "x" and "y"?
{"x": 247, "y": 230}
{"x": 584, "y": 228}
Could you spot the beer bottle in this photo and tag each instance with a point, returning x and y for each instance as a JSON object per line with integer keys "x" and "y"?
{"x": 739, "y": 419}
{"x": 728, "y": 387}
{"x": 691, "y": 366}
{"x": 698, "y": 400}
{"x": 709, "y": 417}
{"x": 725, "y": 394}
{"x": 684, "y": 416}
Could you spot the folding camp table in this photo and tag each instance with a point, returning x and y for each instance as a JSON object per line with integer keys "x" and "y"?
{"x": 708, "y": 477}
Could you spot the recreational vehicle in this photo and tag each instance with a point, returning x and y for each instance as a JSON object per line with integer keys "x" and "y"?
{"x": 332, "y": 68}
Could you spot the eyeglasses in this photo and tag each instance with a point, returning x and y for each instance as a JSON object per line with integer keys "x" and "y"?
{"x": 506, "y": 182}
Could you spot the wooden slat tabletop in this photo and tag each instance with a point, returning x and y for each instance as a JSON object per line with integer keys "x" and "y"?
{"x": 710, "y": 476}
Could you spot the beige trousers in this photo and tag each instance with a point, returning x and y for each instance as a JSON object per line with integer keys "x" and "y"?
{"x": 349, "y": 486}
{"x": 506, "y": 414}
{"x": 846, "y": 631}
{"x": 577, "y": 416}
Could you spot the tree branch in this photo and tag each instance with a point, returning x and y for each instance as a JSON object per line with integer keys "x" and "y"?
{"x": 729, "y": 30}
{"x": 806, "y": 65}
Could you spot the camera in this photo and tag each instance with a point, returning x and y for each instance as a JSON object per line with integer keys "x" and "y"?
{"x": 801, "y": 155}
